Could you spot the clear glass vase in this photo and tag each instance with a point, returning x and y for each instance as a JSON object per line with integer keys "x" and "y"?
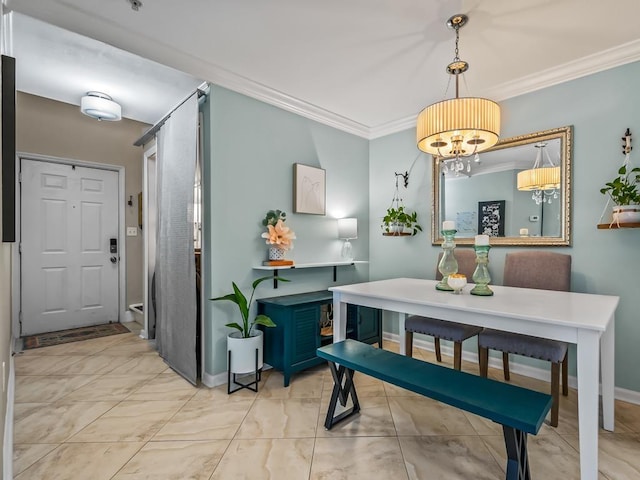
{"x": 481, "y": 275}
{"x": 448, "y": 263}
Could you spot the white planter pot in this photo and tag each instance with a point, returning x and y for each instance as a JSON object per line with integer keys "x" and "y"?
{"x": 626, "y": 214}
{"x": 243, "y": 352}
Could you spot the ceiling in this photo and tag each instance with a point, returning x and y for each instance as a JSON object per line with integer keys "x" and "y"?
{"x": 364, "y": 66}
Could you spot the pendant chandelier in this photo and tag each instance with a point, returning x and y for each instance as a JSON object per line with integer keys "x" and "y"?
{"x": 543, "y": 180}
{"x": 460, "y": 126}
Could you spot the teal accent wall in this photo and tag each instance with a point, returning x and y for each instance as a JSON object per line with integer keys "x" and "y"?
{"x": 250, "y": 149}
{"x": 600, "y": 107}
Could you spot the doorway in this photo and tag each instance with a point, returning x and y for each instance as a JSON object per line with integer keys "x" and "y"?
{"x": 70, "y": 245}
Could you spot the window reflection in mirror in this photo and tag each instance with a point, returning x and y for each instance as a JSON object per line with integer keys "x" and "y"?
{"x": 481, "y": 193}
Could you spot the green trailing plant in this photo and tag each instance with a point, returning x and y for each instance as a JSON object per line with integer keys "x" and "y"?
{"x": 623, "y": 189}
{"x": 400, "y": 216}
{"x": 240, "y": 300}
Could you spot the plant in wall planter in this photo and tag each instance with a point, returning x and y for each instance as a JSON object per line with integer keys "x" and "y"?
{"x": 243, "y": 343}
{"x": 623, "y": 191}
{"x": 399, "y": 221}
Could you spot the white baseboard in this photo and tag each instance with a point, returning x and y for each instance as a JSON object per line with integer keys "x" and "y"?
{"x": 623, "y": 394}
{"x": 211, "y": 381}
{"x": 7, "y": 446}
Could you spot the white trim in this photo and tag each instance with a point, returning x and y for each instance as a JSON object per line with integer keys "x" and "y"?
{"x": 597, "y": 62}
{"x": 148, "y": 153}
{"x": 122, "y": 265}
{"x": 211, "y": 381}
{"x": 258, "y": 91}
{"x": 7, "y": 444}
{"x": 543, "y": 374}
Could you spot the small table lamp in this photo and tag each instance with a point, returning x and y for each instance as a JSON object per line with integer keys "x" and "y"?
{"x": 347, "y": 230}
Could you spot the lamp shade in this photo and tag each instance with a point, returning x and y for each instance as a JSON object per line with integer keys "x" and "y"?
{"x": 458, "y": 127}
{"x": 348, "y": 228}
{"x": 100, "y": 106}
{"x": 544, "y": 178}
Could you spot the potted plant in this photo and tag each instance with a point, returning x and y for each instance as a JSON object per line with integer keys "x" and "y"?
{"x": 623, "y": 190}
{"x": 278, "y": 236}
{"x": 243, "y": 342}
{"x": 398, "y": 220}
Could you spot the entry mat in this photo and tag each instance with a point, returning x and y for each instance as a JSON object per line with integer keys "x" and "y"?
{"x": 72, "y": 335}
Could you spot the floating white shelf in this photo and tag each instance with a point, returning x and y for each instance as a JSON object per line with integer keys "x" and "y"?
{"x": 335, "y": 266}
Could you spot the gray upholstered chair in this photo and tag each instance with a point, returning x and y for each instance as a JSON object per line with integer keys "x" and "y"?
{"x": 456, "y": 332}
{"x": 545, "y": 271}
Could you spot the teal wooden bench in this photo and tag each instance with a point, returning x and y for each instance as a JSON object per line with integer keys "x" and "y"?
{"x": 519, "y": 410}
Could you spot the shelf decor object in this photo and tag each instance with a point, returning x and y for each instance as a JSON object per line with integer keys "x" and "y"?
{"x": 309, "y": 189}
{"x": 481, "y": 275}
{"x": 623, "y": 191}
{"x": 448, "y": 264}
{"x": 278, "y": 236}
{"x": 460, "y": 126}
{"x": 347, "y": 230}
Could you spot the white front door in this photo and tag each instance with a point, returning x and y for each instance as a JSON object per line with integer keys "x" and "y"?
{"x": 69, "y": 221}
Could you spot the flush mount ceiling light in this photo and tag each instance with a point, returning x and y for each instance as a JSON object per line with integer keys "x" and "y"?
{"x": 460, "y": 126}
{"x": 101, "y": 106}
{"x": 542, "y": 180}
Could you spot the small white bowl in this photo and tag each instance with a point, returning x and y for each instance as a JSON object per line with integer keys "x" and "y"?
{"x": 457, "y": 283}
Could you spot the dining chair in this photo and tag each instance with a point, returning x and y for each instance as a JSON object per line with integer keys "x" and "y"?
{"x": 544, "y": 271}
{"x": 455, "y": 332}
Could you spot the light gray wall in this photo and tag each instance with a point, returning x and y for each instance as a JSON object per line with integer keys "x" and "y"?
{"x": 600, "y": 107}
{"x": 249, "y": 155}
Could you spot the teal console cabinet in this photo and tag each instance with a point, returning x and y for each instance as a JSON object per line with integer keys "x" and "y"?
{"x": 291, "y": 345}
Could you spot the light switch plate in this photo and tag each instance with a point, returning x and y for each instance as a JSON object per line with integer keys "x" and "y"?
{"x": 132, "y": 231}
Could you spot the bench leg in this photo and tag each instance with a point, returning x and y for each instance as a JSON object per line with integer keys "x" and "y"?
{"x": 517, "y": 458}
{"x": 342, "y": 393}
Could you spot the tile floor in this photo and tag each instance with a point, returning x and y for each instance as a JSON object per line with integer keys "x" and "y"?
{"x": 109, "y": 408}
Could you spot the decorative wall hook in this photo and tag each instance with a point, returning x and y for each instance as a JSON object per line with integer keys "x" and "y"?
{"x": 626, "y": 145}
{"x": 405, "y": 177}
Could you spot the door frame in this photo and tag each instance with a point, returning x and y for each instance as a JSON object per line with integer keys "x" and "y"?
{"x": 16, "y": 272}
{"x": 146, "y": 235}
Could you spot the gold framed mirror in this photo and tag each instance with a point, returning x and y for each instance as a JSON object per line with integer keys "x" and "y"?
{"x": 518, "y": 192}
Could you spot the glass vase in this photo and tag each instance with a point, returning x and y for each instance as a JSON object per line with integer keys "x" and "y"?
{"x": 448, "y": 263}
{"x": 481, "y": 275}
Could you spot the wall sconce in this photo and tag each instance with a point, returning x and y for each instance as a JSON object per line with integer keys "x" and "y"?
{"x": 347, "y": 230}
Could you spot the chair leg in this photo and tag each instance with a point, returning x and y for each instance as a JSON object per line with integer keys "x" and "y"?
{"x": 408, "y": 343}
{"x": 505, "y": 366}
{"x": 436, "y": 342}
{"x": 555, "y": 393}
{"x": 565, "y": 375}
{"x": 483, "y": 356}
{"x": 457, "y": 355}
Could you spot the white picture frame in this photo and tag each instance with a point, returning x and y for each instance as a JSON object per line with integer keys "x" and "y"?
{"x": 309, "y": 189}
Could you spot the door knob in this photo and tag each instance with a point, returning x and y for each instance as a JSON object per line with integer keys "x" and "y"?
{"x": 114, "y": 260}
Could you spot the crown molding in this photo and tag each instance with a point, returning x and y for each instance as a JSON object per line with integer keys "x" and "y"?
{"x": 250, "y": 88}
{"x": 597, "y": 62}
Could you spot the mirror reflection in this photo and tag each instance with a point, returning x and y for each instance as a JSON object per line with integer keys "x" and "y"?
{"x": 518, "y": 192}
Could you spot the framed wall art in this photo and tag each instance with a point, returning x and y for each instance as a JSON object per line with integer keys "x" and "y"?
{"x": 309, "y": 189}
{"x": 491, "y": 218}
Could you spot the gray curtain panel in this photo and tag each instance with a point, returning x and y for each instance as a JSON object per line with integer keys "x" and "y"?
{"x": 175, "y": 265}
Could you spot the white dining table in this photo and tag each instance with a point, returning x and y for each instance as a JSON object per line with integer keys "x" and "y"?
{"x": 586, "y": 320}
